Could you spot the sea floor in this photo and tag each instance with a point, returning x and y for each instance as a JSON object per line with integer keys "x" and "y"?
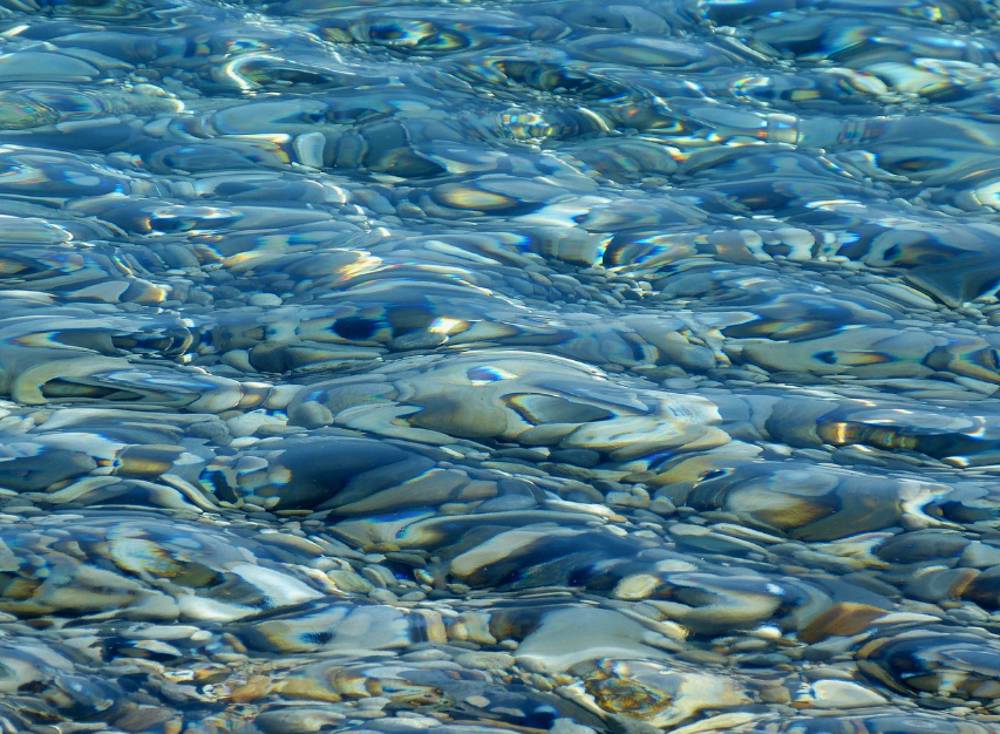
{"x": 499, "y": 367}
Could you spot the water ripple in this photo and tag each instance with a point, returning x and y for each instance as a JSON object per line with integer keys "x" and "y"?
{"x": 484, "y": 367}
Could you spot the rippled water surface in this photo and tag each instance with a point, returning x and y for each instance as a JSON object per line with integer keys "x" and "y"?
{"x": 482, "y": 367}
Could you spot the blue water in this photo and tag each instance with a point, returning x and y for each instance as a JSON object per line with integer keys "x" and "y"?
{"x": 558, "y": 366}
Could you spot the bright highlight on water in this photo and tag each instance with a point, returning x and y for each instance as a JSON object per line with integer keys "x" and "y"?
{"x": 494, "y": 367}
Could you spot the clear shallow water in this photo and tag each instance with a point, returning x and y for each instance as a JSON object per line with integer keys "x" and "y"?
{"x": 480, "y": 367}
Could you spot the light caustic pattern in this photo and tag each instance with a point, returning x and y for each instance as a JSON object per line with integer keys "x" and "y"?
{"x": 562, "y": 366}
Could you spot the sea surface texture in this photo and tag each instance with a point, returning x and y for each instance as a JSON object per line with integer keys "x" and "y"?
{"x": 499, "y": 367}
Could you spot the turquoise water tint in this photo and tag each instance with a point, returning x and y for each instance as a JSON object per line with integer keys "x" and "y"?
{"x": 495, "y": 367}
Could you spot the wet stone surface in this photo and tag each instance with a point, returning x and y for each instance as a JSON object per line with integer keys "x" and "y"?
{"x": 558, "y": 366}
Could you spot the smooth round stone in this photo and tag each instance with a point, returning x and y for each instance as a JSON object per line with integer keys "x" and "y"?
{"x": 297, "y": 719}
{"x": 838, "y": 694}
{"x": 486, "y": 660}
{"x": 42, "y": 66}
{"x": 265, "y": 300}
{"x": 936, "y": 661}
{"x": 19, "y": 112}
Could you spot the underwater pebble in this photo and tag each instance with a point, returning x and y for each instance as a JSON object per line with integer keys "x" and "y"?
{"x": 579, "y": 367}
